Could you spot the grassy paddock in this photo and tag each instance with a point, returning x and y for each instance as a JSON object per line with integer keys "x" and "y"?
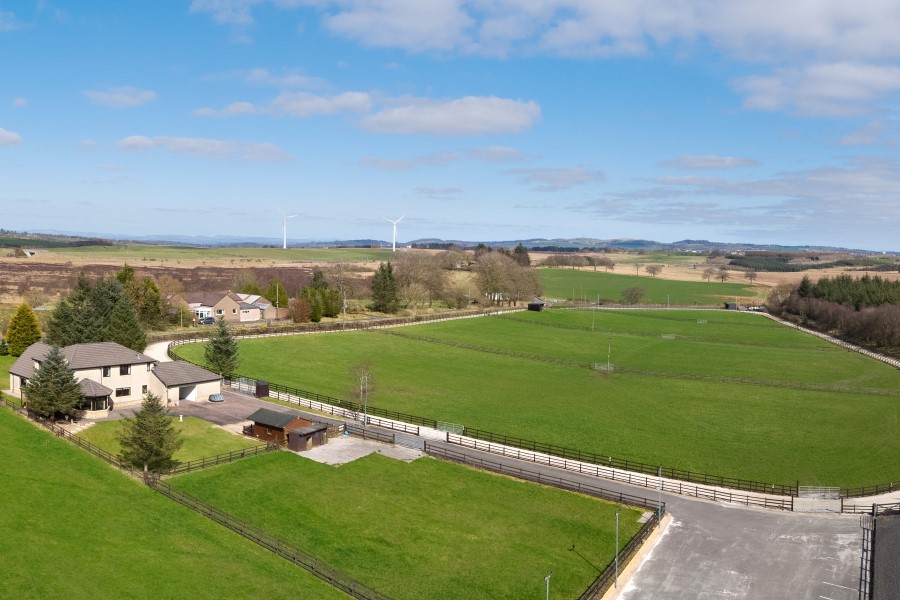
{"x": 823, "y": 438}
{"x": 425, "y": 529}
{"x": 201, "y": 438}
{"x": 78, "y": 529}
{"x": 560, "y": 283}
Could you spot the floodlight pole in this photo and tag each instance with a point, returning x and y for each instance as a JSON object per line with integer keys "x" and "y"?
{"x": 659, "y": 495}
{"x": 617, "y": 548}
{"x": 365, "y": 395}
{"x": 608, "y": 354}
{"x": 547, "y": 581}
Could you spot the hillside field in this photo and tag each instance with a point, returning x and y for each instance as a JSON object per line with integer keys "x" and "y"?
{"x": 424, "y": 529}
{"x": 560, "y": 283}
{"x": 677, "y": 415}
{"x": 79, "y": 529}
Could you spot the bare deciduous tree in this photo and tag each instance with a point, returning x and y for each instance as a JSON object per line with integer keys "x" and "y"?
{"x": 632, "y": 295}
{"x": 708, "y": 273}
{"x": 751, "y": 275}
{"x": 722, "y": 275}
{"x": 653, "y": 270}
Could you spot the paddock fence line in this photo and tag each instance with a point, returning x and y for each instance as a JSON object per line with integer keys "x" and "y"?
{"x": 61, "y": 432}
{"x": 783, "y": 500}
{"x": 646, "y": 372}
{"x": 607, "y": 578}
{"x": 871, "y": 490}
{"x": 873, "y": 509}
{"x": 299, "y": 557}
{"x": 221, "y": 459}
{"x": 357, "y": 325}
{"x": 599, "y": 460}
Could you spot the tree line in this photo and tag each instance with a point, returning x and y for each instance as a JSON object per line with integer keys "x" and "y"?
{"x": 864, "y": 310}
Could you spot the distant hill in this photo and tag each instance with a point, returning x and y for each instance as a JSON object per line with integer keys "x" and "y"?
{"x": 50, "y": 239}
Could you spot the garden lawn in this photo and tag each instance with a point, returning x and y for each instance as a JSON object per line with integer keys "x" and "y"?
{"x": 75, "y": 528}
{"x": 201, "y": 438}
{"x": 588, "y": 285}
{"x": 758, "y": 432}
{"x": 425, "y": 529}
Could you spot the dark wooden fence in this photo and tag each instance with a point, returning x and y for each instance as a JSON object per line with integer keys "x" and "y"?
{"x": 607, "y": 578}
{"x": 779, "y": 489}
{"x": 221, "y": 459}
{"x": 870, "y": 490}
{"x": 295, "y": 555}
{"x": 870, "y": 509}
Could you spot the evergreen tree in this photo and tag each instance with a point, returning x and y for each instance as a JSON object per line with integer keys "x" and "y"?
{"x": 23, "y": 330}
{"x": 805, "y": 288}
{"x": 316, "y": 308}
{"x": 331, "y": 302}
{"x": 222, "y": 351}
{"x": 520, "y": 255}
{"x": 149, "y": 440}
{"x": 318, "y": 281}
{"x": 62, "y": 328}
{"x": 277, "y": 295}
{"x": 53, "y": 389}
{"x": 4, "y": 348}
{"x": 124, "y": 326}
{"x": 384, "y": 290}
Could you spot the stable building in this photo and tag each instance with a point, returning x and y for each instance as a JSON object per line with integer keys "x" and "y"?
{"x": 273, "y": 426}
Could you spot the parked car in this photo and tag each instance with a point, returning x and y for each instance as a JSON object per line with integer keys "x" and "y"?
{"x": 216, "y": 398}
{"x": 207, "y": 321}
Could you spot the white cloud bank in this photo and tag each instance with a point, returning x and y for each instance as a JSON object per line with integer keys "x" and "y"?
{"x": 709, "y": 161}
{"x": 208, "y": 148}
{"x": 121, "y": 97}
{"x": 556, "y": 179}
{"x": 9, "y": 139}
{"x": 472, "y": 115}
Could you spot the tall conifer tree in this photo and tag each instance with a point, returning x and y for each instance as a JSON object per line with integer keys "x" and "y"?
{"x": 23, "y": 330}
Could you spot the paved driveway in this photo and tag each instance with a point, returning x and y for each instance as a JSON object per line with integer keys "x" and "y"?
{"x": 235, "y": 409}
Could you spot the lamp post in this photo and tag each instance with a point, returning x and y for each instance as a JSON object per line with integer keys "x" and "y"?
{"x": 617, "y": 548}
{"x": 547, "y": 581}
{"x": 364, "y": 396}
{"x": 608, "y": 354}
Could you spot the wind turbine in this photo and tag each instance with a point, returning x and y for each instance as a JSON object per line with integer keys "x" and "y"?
{"x": 284, "y": 220}
{"x": 394, "y": 223}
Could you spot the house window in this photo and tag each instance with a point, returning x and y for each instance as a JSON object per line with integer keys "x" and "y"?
{"x": 268, "y": 431}
{"x": 149, "y": 367}
{"x": 107, "y": 371}
{"x": 23, "y": 382}
{"x": 125, "y": 370}
{"x": 220, "y": 311}
{"x": 95, "y": 403}
{"x": 123, "y": 392}
{"x": 143, "y": 389}
{"x": 234, "y": 311}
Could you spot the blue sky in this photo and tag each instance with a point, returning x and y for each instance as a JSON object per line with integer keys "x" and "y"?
{"x": 735, "y": 121}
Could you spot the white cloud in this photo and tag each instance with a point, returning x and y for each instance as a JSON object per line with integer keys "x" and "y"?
{"x": 20, "y": 102}
{"x": 497, "y": 154}
{"x": 9, "y": 139}
{"x": 261, "y": 77}
{"x": 709, "y": 161}
{"x": 554, "y": 180}
{"x": 121, "y": 97}
{"x": 388, "y": 164}
{"x": 873, "y": 133}
{"x": 814, "y": 203}
{"x": 208, "y": 148}
{"x": 830, "y": 90}
{"x": 411, "y": 24}
{"x": 8, "y": 21}
{"x": 472, "y": 115}
{"x": 438, "y": 193}
{"x": 295, "y": 104}
{"x": 227, "y": 12}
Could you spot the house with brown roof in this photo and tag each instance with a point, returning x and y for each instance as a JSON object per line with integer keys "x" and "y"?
{"x": 215, "y": 304}
{"x": 109, "y": 373}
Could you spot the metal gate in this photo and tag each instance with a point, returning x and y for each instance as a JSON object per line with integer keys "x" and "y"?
{"x": 409, "y": 441}
{"x": 867, "y": 522}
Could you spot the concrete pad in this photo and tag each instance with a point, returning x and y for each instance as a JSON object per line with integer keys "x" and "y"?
{"x": 344, "y": 449}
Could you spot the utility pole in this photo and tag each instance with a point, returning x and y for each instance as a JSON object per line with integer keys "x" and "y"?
{"x": 547, "y": 581}
{"x": 617, "y": 548}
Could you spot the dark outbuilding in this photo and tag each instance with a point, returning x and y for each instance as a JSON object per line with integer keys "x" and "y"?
{"x": 306, "y": 438}
{"x": 272, "y": 426}
{"x": 537, "y": 305}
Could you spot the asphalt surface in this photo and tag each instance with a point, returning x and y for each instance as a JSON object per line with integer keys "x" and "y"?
{"x": 886, "y": 568}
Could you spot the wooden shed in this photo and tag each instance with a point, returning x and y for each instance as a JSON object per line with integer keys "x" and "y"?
{"x": 272, "y": 426}
{"x": 306, "y": 438}
{"x": 537, "y": 305}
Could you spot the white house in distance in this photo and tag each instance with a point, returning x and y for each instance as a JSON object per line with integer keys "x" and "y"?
{"x": 110, "y": 373}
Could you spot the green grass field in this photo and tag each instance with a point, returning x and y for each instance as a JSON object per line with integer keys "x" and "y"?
{"x": 151, "y": 252}
{"x": 75, "y": 528}
{"x": 587, "y": 285}
{"x": 425, "y": 529}
{"x": 758, "y": 432}
{"x": 201, "y": 438}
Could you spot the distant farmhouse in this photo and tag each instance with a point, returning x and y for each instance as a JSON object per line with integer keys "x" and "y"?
{"x": 233, "y": 307}
{"x": 111, "y": 373}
